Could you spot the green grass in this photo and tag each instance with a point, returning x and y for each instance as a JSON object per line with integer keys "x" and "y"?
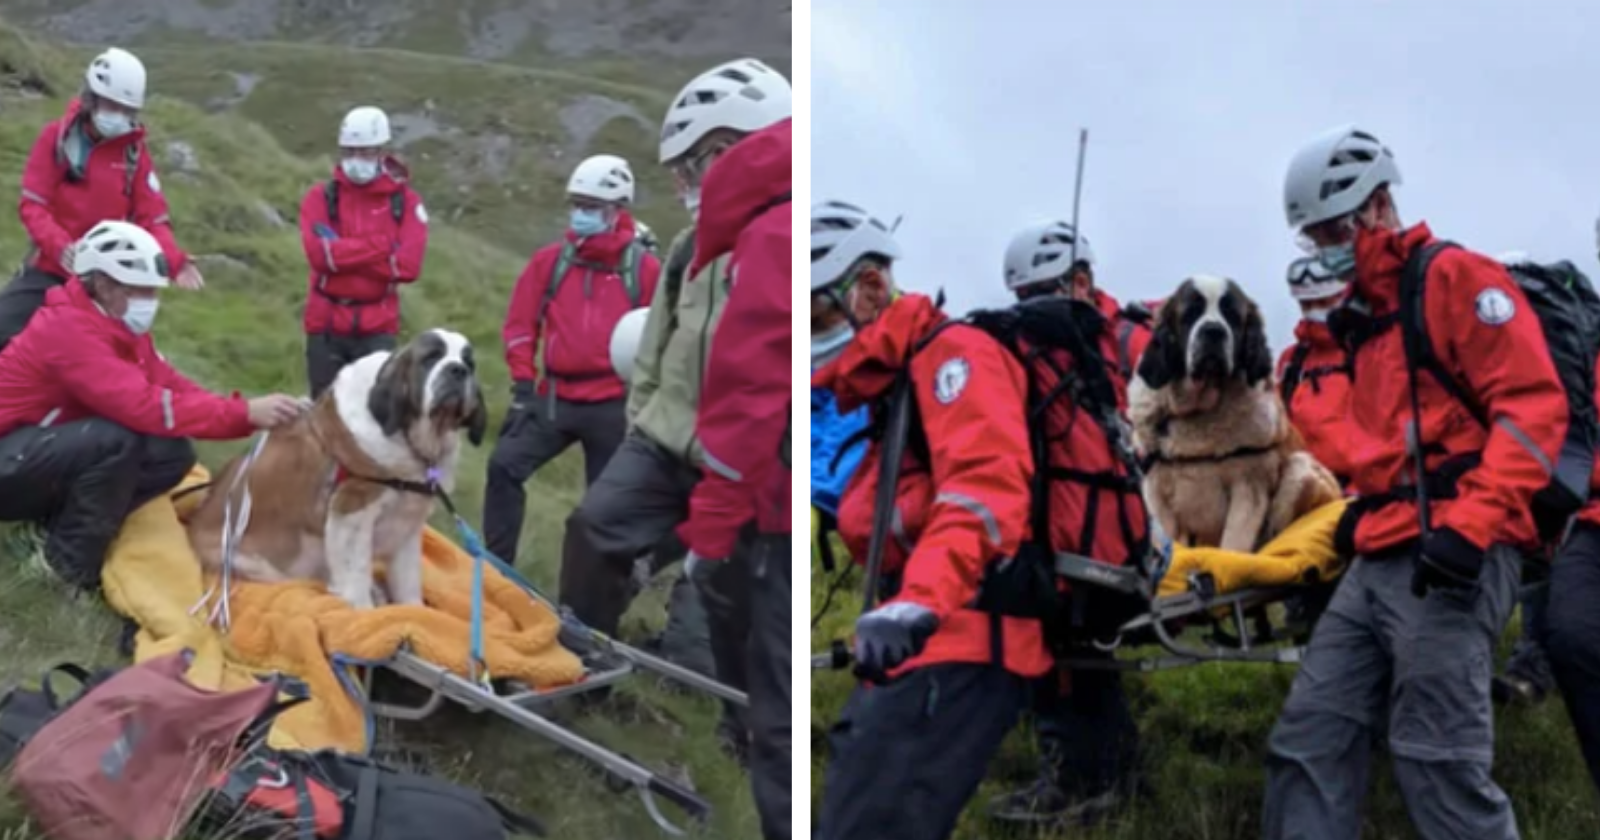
{"x": 1204, "y": 730}
{"x": 242, "y": 332}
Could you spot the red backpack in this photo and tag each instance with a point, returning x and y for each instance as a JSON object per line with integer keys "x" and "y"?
{"x": 135, "y": 755}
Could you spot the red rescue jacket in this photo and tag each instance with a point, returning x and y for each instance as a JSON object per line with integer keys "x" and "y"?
{"x": 970, "y": 506}
{"x": 74, "y": 361}
{"x": 1319, "y": 404}
{"x": 746, "y": 401}
{"x": 355, "y": 278}
{"x": 576, "y": 330}
{"x": 60, "y": 202}
{"x": 1504, "y": 365}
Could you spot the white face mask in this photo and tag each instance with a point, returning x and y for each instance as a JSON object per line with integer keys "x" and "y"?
{"x": 359, "y": 170}
{"x": 1317, "y": 316}
{"x": 691, "y": 202}
{"x": 140, "y": 314}
{"x": 112, "y": 123}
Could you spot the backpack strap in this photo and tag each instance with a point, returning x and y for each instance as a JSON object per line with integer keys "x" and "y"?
{"x": 1414, "y": 327}
{"x": 330, "y": 194}
{"x": 1291, "y": 375}
{"x": 628, "y": 270}
{"x": 397, "y": 205}
{"x": 130, "y": 170}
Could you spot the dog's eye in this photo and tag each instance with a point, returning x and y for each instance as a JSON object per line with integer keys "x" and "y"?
{"x": 466, "y": 359}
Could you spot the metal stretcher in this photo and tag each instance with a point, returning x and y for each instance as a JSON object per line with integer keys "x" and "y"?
{"x": 1241, "y": 626}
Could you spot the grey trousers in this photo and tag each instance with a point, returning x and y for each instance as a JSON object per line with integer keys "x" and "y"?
{"x": 1382, "y": 659}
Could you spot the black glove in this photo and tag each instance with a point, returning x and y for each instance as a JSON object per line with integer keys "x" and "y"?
{"x": 1447, "y": 560}
{"x": 522, "y": 398}
{"x": 890, "y": 635}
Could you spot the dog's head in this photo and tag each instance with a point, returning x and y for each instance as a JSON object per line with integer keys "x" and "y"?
{"x": 1208, "y": 331}
{"x": 432, "y": 380}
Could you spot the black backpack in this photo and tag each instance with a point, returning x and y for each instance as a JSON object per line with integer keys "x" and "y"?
{"x": 1295, "y": 372}
{"x": 1569, "y": 312}
{"x": 25, "y": 711}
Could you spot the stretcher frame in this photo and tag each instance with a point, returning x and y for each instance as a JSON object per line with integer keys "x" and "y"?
{"x": 1244, "y": 633}
{"x": 606, "y": 662}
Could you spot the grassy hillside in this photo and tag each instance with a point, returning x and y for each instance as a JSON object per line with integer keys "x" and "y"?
{"x": 234, "y": 208}
{"x": 1204, "y": 730}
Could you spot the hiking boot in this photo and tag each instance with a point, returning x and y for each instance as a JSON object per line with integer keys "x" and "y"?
{"x": 1044, "y": 803}
{"x": 1527, "y": 678}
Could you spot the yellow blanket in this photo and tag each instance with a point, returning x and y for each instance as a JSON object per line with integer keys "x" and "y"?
{"x": 1304, "y": 548}
{"x": 153, "y": 577}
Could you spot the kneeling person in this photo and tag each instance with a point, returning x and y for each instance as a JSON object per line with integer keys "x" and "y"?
{"x": 93, "y": 421}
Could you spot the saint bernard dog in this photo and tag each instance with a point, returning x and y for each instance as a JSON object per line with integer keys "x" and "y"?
{"x": 1227, "y": 469}
{"x": 354, "y": 480}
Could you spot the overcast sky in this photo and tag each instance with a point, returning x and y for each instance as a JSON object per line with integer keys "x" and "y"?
{"x": 964, "y": 117}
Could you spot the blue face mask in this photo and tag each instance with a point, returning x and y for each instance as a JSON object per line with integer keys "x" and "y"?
{"x": 112, "y": 123}
{"x": 588, "y": 222}
{"x": 1339, "y": 260}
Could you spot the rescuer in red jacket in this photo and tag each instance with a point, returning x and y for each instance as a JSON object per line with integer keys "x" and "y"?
{"x": 88, "y": 166}
{"x": 93, "y": 421}
{"x": 1314, "y": 373}
{"x": 557, "y": 336}
{"x": 1087, "y": 738}
{"x": 907, "y": 753}
{"x": 743, "y": 422}
{"x": 1407, "y": 643}
{"x": 365, "y": 234}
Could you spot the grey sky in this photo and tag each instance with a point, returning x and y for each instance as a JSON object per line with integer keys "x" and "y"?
{"x": 964, "y": 116}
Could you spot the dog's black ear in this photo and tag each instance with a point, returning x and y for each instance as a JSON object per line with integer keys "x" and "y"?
{"x": 1162, "y": 361}
{"x": 394, "y": 401}
{"x": 477, "y": 422}
{"x": 1255, "y": 357}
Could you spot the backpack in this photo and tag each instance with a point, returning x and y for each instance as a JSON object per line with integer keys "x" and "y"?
{"x": 1068, "y": 381}
{"x": 331, "y": 795}
{"x": 1569, "y": 313}
{"x": 627, "y": 269}
{"x": 25, "y": 711}
{"x": 120, "y": 762}
{"x": 330, "y": 194}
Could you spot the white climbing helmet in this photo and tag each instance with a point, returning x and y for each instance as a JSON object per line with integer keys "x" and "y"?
{"x": 365, "y": 127}
{"x": 603, "y": 177}
{"x": 842, "y": 233}
{"x": 743, "y": 95}
{"x": 124, "y": 252}
{"x": 1041, "y": 252}
{"x": 625, "y": 338}
{"x": 1333, "y": 174}
{"x": 1309, "y": 280}
{"x": 117, "y": 75}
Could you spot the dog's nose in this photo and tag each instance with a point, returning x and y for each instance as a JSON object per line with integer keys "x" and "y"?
{"x": 1212, "y": 333}
{"x": 457, "y": 370}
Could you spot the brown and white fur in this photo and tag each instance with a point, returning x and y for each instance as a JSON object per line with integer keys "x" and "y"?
{"x": 1229, "y": 469}
{"x": 387, "y": 417}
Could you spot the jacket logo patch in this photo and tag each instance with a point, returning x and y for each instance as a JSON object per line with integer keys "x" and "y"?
{"x": 153, "y": 181}
{"x": 950, "y": 380}
{"x": 1494, "y": 307}
{"x": 422, "y": 213}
